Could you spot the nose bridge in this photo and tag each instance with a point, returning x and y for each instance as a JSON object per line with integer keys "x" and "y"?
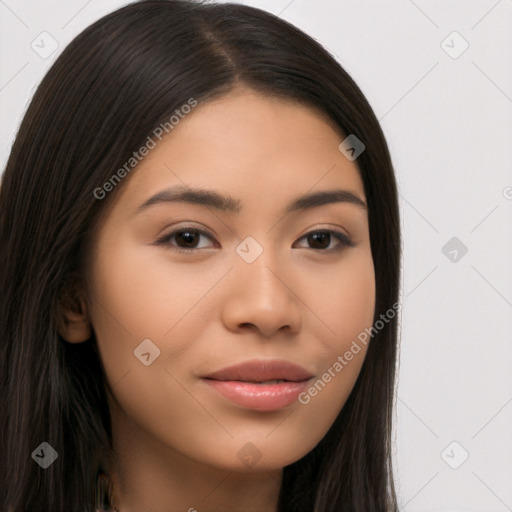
{"x": 260, "y": 294}
{"x": 257, "y": 267}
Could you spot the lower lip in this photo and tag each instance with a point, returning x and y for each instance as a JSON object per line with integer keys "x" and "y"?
{"x": 260, "y": 397}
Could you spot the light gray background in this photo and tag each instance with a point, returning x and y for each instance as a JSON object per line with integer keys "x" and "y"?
{"x": 447, "y": 116}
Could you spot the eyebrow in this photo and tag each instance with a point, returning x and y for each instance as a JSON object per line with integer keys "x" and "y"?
{"x": 228, "y": 204}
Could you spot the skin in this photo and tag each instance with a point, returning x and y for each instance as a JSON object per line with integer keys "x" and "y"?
{"x": 176, "y": 439}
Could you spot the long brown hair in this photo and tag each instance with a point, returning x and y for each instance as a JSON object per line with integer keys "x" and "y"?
{"x": 111, "y": 86}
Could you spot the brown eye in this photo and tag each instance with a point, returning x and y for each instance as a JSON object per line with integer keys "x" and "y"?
{"x": 186, "y": 239}
{"x": 321, "y": 239}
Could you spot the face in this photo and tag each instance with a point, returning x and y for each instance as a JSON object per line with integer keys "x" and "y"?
{"x": 208, "y": 287}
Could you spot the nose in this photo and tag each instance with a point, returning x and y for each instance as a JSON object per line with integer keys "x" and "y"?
{"x": 261, "y": 297}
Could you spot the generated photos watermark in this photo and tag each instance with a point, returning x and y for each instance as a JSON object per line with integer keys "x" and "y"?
{"x": 343, "y": 360}
{"x": 158, "y": 133}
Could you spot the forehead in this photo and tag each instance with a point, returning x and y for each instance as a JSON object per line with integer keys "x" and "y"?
{"x": 242, "y": 114}
{"x": 250, "y": 144}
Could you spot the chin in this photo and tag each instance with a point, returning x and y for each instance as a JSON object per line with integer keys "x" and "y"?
{"x": 255, "y": 456}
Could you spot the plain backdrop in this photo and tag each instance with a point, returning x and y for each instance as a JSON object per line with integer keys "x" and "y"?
{"x": 438, "y": 75}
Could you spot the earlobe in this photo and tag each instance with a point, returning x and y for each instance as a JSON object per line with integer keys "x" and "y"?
{"x": 74, "y": 325}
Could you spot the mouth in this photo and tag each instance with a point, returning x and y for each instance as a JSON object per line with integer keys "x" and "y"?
{"x": 262, "y": 385}
{"x": 262, "y": 371}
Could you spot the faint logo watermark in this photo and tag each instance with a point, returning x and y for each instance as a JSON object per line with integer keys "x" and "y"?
{"x": 351, "y": 147}
{"x": 44, "y": 455}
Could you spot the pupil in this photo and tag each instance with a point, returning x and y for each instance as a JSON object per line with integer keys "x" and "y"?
{"x": 188, "y": 235}
{"x": 321, "y": 235}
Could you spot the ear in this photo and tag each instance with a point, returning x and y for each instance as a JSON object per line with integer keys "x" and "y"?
{"x": 74, "y": 325}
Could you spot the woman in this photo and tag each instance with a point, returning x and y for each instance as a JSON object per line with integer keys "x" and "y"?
{"x": 143, "y": 371}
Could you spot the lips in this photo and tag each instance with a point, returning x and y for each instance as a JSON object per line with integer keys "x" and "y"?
{"x": 262, "y": 371}
{"x": 262, "y": 385}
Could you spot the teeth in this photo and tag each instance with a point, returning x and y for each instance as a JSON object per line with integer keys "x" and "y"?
{"x": 270, "y": 382}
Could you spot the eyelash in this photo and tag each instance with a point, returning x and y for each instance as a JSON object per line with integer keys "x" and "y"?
{"x": 341, "y": 237}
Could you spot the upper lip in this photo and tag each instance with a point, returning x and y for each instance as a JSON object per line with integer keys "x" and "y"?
{"x": 262, "y": 370}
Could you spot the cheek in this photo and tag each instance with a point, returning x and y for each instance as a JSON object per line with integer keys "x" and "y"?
{"x": 127, "y": 303}
{"x": 346, "y": 306}
{"x": 138, "y": 296}
{"x": 346, "y": 301}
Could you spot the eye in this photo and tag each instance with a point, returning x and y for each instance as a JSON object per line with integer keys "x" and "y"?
{"x": 321, "y": 239}
{"x": 186, "y": 239}
{"x": 187, "y": 236}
